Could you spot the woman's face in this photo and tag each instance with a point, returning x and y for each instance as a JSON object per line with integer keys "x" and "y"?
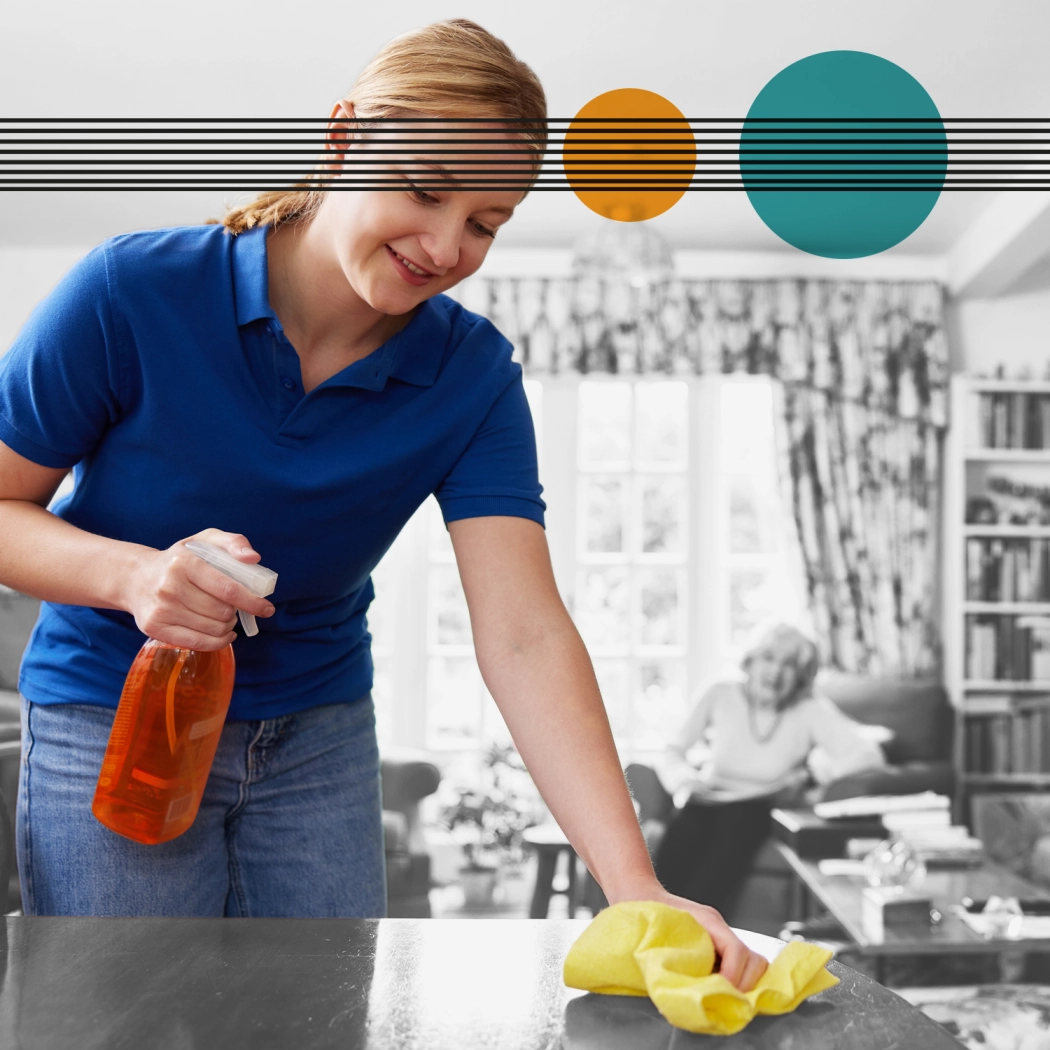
{"x": 399, "y": 246}
{"x": 772, "y": 674}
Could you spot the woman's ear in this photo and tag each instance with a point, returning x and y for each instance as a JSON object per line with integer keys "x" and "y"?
{"x": 340, "y": 132}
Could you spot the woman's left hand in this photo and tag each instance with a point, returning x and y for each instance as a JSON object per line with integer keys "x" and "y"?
{"x": 738, "y": 963}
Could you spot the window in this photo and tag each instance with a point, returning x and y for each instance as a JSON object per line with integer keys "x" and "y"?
{"x": 756, "y": 580}
{"x": 669, "y": 545}
{"x": 632, "y": 549}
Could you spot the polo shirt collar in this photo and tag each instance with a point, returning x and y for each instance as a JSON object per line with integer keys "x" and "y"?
{"x": 251, "y": 285}
{"x": 414, "y": 355}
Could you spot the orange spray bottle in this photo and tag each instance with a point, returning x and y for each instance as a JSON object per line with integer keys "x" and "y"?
{"x": 168, "y": 723}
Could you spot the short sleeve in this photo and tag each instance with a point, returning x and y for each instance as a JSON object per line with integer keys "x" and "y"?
{"x": 497, "y": 474}
{"x": 61, "y": 380}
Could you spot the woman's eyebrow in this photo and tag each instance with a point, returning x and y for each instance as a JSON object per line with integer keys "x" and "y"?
{"x": 448, "y": 176}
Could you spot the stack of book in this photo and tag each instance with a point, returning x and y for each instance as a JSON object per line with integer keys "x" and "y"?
{"x": 932, "y": 838}
{"x": 920, "y": 821}
{"x": 880, "y": 805}
{"x": 1008, "y": 648}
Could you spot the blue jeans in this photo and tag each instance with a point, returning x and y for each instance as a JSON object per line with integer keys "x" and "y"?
{"x": 290, "y": 823}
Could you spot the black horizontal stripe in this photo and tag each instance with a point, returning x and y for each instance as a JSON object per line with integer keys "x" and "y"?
{"x": 527, "y": 120}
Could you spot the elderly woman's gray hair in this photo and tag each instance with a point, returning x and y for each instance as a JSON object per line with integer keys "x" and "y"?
{"x": 803, "y": 651}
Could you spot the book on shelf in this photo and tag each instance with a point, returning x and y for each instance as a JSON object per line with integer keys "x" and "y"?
{"x": 1016, "y": 419}
{"x": 1007, "y": 648}
{"x": 1006, "y": 738}
{"x": 1008, "y": 570}
{"x": 1000, "y": 645}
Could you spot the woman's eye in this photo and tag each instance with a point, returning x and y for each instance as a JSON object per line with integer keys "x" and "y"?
{"x": 421, "y": 195}
{"x": 483, "y": 231}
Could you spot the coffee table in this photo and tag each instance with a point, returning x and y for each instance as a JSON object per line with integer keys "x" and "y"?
{"x": 841, "y": 895}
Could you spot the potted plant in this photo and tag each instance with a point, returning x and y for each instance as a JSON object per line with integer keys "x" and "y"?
{"x": 486, "y": 813}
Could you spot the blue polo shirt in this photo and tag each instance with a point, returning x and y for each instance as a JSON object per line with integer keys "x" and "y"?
{"x": 159, "y": 372}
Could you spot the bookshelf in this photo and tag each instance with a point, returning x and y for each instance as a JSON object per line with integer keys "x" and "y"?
{"x": 996, "y": 575}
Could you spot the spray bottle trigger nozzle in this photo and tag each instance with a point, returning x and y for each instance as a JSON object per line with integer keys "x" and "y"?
{"x": 257, "y": 578}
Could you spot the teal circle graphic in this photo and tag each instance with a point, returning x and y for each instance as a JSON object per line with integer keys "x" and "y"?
{"x": 870, "y": 176}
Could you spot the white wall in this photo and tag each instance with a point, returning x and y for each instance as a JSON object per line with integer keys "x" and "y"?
{"x": 26, "y": 276}
{"x": 1013, "y": 330}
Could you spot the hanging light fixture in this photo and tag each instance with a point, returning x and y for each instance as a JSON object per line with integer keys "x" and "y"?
{"x": 623, "y": 252}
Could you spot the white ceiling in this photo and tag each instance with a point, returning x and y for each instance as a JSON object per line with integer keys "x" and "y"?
{"x": 239, "y": 58}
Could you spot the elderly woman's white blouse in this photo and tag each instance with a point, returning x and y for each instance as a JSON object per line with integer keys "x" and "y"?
{"x": 758, "y": 753}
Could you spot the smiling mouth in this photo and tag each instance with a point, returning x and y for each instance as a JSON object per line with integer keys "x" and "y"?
{"x": 409, "y": 265}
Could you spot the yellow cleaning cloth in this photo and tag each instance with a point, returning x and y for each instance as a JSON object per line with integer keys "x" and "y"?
{"x": 645, "y": 948}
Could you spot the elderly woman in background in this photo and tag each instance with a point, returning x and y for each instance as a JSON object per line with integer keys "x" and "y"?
{"x": 763, "y": 732}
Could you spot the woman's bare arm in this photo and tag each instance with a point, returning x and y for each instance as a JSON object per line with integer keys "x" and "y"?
{"x": 173, "y": 595}
{"x": 538, "y": 671}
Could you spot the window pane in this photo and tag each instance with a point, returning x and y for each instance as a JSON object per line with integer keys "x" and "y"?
{"x": 449, "y": 619}
{"x": 747, "y": 428}
{"x": 751, "y": 601}
{"x": 453, "y": 702}
{"x": 604, "y": 424}
{"x": 661, "y": 423}
{"x": 378, "y": 616}
{"x": 663, "y": 514}
{"x": 534, "y": 395}
{"x": 659, "y": 703}
{"x": 494, "y": 729}
{"x": 440, "y": 543}
{"x": 383, "y": 700}
{"x": 602, "y": 506}
{"x": 603, "y": 607}
{"x": 753, "y": 514}
{"x": 659, "y": 607}
{"x": 614, "y": 682}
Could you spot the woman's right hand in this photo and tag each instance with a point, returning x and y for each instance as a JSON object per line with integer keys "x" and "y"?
{"x": 179, "y": 599}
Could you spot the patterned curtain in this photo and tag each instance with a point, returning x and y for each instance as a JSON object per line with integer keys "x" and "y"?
{"x": 863, "y": 488}
{"x": 863, "y": 374}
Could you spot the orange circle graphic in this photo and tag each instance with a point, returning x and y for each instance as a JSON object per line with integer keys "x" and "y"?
{"x": 629, "y": 154}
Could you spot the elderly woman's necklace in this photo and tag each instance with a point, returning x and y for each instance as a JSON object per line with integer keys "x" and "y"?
{"x": 762, "y": 738}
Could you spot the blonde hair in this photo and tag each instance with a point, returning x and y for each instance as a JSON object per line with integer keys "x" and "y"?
{"x": 452, "y": 69}
{"x": 805, "y": 656}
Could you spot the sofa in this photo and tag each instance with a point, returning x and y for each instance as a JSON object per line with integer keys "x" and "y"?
{"x": 919, "y": 758}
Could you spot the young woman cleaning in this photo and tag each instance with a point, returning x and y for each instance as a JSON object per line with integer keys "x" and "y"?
{"x": 292, "y": 385}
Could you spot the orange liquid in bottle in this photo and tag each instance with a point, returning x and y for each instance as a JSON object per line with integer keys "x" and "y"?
{"x": 167, "y": 728}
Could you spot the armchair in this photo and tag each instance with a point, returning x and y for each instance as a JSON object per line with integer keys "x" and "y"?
{"x": 407, "y": 778}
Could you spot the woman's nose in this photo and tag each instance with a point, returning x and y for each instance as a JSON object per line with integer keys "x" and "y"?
{"x": 441, "y": 243}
